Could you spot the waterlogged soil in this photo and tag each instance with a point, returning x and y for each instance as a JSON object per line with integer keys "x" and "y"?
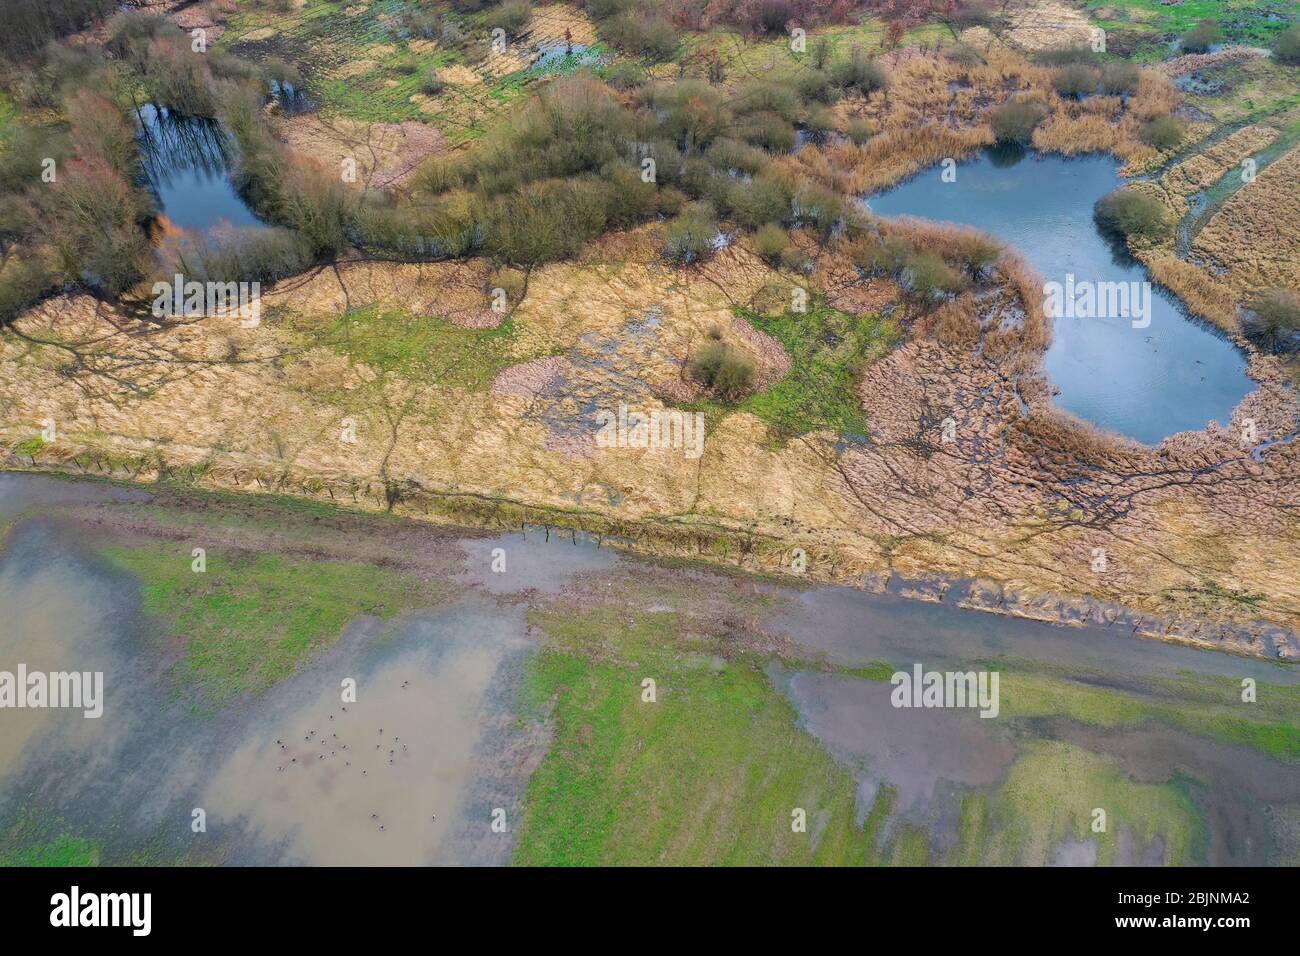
{"x": 1147, "y": 383}
{"x": 438, "y": 744}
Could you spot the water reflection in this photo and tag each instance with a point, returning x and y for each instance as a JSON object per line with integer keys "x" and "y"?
{"x": 1147, "y": 383}
{"x": 187, "y": 166}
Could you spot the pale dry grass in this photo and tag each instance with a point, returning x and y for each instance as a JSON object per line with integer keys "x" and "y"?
{"x": 1253, "y": 237}
{"x": 1208, "y": 297}
{"x": 1208, "y": 166}
{"x": 935, "y": 109}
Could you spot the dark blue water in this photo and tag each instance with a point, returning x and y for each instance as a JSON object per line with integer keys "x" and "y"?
{"x": 1147, "y": 383}
{"x": 187, "y": 162}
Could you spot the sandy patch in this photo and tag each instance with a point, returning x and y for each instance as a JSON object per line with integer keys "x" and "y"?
{"x": 386, "y": 153}
{"x": 1200, "y": 61}
{"x": 355, "y": 68}
{"x": 257, "y": 36}
{"x": 1049, "y": 24}
{"x": 528, "y": 378}
{"x": 458, "y": 75}
{"x": 550, "y": 23}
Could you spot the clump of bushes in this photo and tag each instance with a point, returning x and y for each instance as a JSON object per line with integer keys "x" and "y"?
{"x": 1286, "y": 49}
{"x": 159, "y": 53}
{"x": 1275, "y": 320}
{"x": 924, "y": 274}
{"x": 641, "y": 34}
{"x": 511, "y": 16}
{"x": 1132, "y": 212}
{"x": 979, "y": 254}
{"x": 1067, "y": 56}
{"x": 425, "y": 24}
{"x": 546, "y": 220}
{"x": 817, "y": 206}
{"x": 723, "y": 369}
{"x": 859, "y": 130}
{"x": 968, "y": 15}
{"x": 22, "y": 282}
{"x": 430, "y": 84}
{"x": 277, "y": 70}
{"x": 815, "y": 85}
{"x": 764, "y": 199}
{"x": 771, "y": 243}
{"x": 304, "y": 197}
{"x": 928, "y": 277}
{"x": 246, "y": 255}
{"x": 886, "y": 257}
{"x": 625, "y": 75}
{"x": 1120, "y": 78}
{"x": 769, "y": 130}
{"x": 1014, "y": 122}
{"x": 964, "y": 54}
{"x": 859, "y": 72}
{"x": 770, "y": 16}
{"x": 732, "y": 155}
{"x": 1075, "y": 80}
{"x": 1162, "y": 132}
{"x": 691, "y": 235}
{"x": 30, "y": 24}
{"x": 1201, "y": 37}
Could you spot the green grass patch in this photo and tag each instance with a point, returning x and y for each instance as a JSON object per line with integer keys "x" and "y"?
{"x": 709, "y": 774}
{"x": 421, "y": 348}
{"x": 1243, "y": 21}
{"x": 8, "y": 113}
{"x": 1051, "y": 793}
{"x": 62, "y": 850}
{"x": 1250, "y": 91}
{"x": 250, "y": 621}
{"x": 1209, "y": 707}
{"x": 828, "y": 350}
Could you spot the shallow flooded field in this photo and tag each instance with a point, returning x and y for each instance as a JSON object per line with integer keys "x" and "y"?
{"x": 502, "y": 711}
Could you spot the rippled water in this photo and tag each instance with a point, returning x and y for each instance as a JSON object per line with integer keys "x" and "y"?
{"x": 1146, "y": 383}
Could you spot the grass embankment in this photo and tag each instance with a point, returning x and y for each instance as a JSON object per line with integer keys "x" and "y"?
{"x": 1207, "y": 707}
{"x": 250, "y": 621}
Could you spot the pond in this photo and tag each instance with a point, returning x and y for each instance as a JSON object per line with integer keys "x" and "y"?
{"x": 187, "y": 165}
{"x": 1147, "y": 383}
